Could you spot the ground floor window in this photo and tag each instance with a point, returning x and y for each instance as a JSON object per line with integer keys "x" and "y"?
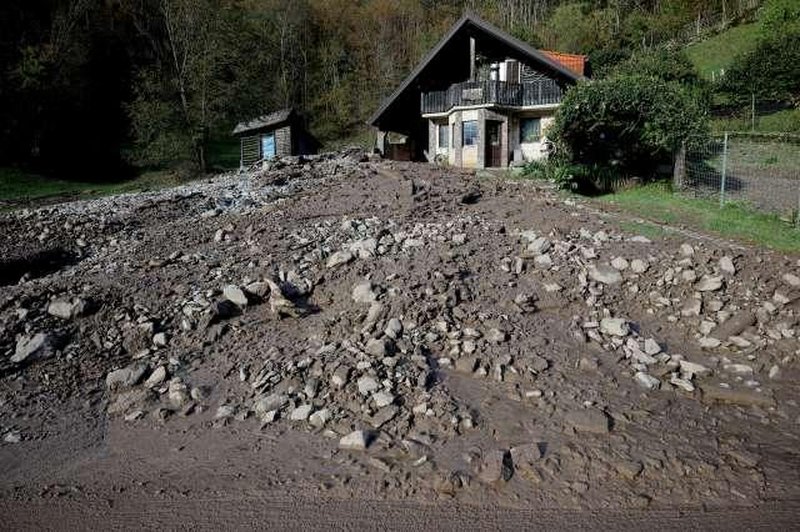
{"x": 530, "y": 129}
{"x": 469, "y": 133}
{"x": 268, "y": 146}
{"x": 444, "y": 135}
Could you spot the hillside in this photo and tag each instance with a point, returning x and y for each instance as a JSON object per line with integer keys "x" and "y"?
{"x": 718, "y": 52}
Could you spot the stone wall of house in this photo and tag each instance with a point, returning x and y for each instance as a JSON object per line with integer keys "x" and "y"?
{"x": 283, "y": 140}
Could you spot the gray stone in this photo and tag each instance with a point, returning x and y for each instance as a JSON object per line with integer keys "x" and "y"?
{"x": 526, "y": 456}
{"x": 367, "y": 384}
{"x": 275, "y": 401}
{"x": 66, "y": 310}
{"x": 496, "y": 467}
{"x": 127, "y": 376}
{"x": 726, "y": 265}
{"x": 647, "y": 381}
{"x": 382, "y": 399}
{"x": 615, "y": 327}
{"x": 364, "y": 293}
{"x": 620, "y": 264}
{"x": 380, "y": 347}
{"x": 340, "y": 377}
{"x": 301, "y": 413}
{"x": 734, "y": 325}
{"x": 496, "y": 336}
{"x": 365, "y": 249}
{"x": 394, "y": 329}
{"x": 339, "y": 258}
{"x": 791, "y": 279}
{"x": 605, "y": 274}
{"x": 39, "y": 347}
{"x": 319, "y": 418}
{"x": 687, "y": 250}
{"x": 235, "y": 295}
{"x": 158, "y": 376}
{"x": 639, "y": 266}
{"x": 589, "y": 420}
{"x": 539, "y": 246}
{"x": 691, "y": 307}
{"x": 709, "y": 283}
{"x": 358, "y": 440}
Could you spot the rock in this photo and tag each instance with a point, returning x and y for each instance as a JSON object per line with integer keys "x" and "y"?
{"x": 639, "y": 266}
{"x": 526, "y": 456}
{"x": 691, "y": 307}
{"x": 340, "y": 377}
{"x": 651, "y": 347}
{"x": 496, "y": 467}
{"x": 66, "y": 310}
{"x": 791, "y": 279}
{"x": 380, "y": 347}
{"x": 279, "y": 304}
{"x": 363, "y": 293}
{"x": 258, "y": 289}
{"x": 365, "y": 249}
{"x": 127, "y": 376}
{"x": 589, "y": 420}
{"x": 605, "y": 274}
{"x": 687, "y": 250}
{"x": 738, "y": 369}
{"x": 225, "y": 412}
{"x": 319, "y": 418}
{"x": 382, "y": 399}
{"x": 275, "y": 401}
{"x": 708, "y": 342}
{"x": 691, "y": 369}
{"x": 178, "y": 393}
{"x": 496, "y": 336}
{"x": 647, "y": 381}
{"x": 539, "y": 246}
{"x": 235, "y": 295}
{"x": 709, "y": 283}
{"x": 301, "y": 413}
{"x": 394, "y": 329}
{"x": 160, "y": 339}
{"x": 158, "y": 376}
{"x": 12, "y": 437}
{"x": 367, "y": 385}
{"x": 734, "y": 325}
{"x": 339, "y": 258}
{"x": 726, "y": 265}
{"x": 615, "y": 327}
{"x": 620, "y": 264}
{"x": 358, "y": 440}
{"x": 742, "y": 397}
{"x": 629, "y": 469}
{"x": 383, "y": 416}
{"x": 543, "y": 262}
{"x": 39, "y": 347}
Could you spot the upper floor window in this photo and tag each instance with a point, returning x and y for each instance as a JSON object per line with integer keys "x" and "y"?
{"x": 469, "y": 133}
{"x": 530, "y": 130}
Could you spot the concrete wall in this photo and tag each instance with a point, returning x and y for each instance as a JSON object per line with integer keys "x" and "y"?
{"x": 530, "y": 151}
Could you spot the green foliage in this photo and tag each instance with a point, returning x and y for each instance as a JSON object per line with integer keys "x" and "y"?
{"x": 716, "y": 54}
{"x": 628, "y": 123}
{"x": 770, "y": 72}
{"x": 779, "y": 16}
{"x": 667, "y": 64}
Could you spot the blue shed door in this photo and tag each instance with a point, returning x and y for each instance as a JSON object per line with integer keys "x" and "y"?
{"x": 268, "y": 146}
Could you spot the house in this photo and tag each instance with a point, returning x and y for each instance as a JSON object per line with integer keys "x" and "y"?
{"x": 480, "y": 98}
{"x": 280, "y": 133}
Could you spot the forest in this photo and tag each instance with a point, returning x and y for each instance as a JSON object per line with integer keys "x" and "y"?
{"x": 103, "y": 87}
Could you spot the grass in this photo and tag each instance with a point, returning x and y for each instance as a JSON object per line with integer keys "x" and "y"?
{"x": 719, "y": 51}
{"x": 784, "y": 121}
{"x": 656, "y": 202}
{"x": 650, "y": 230}
{"x": 19, "y": 186}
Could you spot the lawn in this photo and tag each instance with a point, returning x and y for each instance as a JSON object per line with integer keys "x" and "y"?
{"x": 17, "y": 186}
{"x": 657, "y": 203}
{"x": 719, "y": 51}
{"x": 784, "y": 121}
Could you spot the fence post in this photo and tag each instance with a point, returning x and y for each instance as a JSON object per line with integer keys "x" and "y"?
{"x": 724, "y": 170}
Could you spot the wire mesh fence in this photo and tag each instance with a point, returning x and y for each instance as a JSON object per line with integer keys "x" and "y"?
{"x": 761, "y": 171}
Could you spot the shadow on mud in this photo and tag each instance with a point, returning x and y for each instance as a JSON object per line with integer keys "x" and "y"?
{"x": 36, "y": 264}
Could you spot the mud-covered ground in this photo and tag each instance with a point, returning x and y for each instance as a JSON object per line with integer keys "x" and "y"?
{"x": 347, "y": 343}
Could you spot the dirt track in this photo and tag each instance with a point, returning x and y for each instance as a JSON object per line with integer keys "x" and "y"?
{"x": 260, "y": 320}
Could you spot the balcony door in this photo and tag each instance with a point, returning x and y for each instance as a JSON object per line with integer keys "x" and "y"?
{"x": 494, "y": 144}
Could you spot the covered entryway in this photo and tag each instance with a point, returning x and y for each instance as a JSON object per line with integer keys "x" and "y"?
{"x": 494, "y": 143}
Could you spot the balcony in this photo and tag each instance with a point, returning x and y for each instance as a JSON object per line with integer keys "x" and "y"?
{"x": 471, "y": 93}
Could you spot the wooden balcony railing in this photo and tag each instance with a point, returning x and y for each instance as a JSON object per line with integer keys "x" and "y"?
{"x": 543, "y": 92}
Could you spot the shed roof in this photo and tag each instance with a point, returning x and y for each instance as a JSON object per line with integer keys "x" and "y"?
{"x": 574, "y": 62}
{"x": 473, "y": 24}
{"x": 265, "y": 121}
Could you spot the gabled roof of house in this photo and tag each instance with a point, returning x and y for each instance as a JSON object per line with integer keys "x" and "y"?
{"x": 263, "y": 122}
{"x": 471, "y": 20}
{"x": 574, "y": 62}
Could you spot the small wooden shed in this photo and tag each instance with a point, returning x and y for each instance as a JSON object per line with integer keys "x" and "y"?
{"x": 276, "y": 134}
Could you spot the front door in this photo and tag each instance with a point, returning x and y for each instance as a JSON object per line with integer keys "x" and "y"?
{"x": 494, "y": 146}
{"x": 268, "y": 146}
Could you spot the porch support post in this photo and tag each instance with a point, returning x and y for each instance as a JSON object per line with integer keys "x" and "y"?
{"x": 472, "y": 58}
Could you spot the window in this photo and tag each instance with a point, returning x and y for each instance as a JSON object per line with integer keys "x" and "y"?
{"x": 444, "y": 136}
{"x": 469, "y": 133}
{"x": 530, "y": 129}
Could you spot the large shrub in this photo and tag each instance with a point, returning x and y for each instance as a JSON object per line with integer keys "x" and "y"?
{"x": 771, "y": 71}
{"x": 630, "y": 123}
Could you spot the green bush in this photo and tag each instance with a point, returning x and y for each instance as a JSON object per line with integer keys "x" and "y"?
{"x": 770, "y": 72}
{"x": 628, "y": 124}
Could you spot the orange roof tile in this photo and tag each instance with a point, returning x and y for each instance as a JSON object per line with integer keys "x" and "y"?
{"x": 574, "y": 62}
